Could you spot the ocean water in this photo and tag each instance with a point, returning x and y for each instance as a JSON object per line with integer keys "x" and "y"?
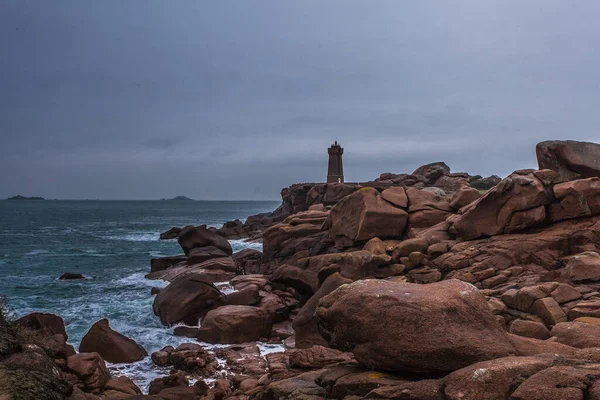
{"x": 109, "y": 242}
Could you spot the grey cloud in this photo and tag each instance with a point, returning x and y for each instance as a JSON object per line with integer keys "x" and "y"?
{"x": 233, "y": 100}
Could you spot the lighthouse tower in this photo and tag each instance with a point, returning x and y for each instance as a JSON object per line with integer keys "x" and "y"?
{"x": 335, "y": 173}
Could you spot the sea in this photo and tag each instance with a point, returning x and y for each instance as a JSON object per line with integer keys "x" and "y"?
{"x": 111, "y": 244}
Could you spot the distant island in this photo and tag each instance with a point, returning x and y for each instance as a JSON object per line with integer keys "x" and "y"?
{"x": 179, "y": 198}
{"x": 19, "y": 197}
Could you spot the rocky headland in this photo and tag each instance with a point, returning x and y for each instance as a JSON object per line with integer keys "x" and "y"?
{"x": 426, "y": 286}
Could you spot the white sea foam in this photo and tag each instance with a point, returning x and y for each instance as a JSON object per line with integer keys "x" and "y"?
{"x": 135, "y": 237}
{"x": 238, "y": 245}
{"x": 268, "y": 348}
{"x": 37, "y": 252}
{"x": 138, "y": 279}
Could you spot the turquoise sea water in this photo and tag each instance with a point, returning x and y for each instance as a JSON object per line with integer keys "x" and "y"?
{"x": 111, "y": 243}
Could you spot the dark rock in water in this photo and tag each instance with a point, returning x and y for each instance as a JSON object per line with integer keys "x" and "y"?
{"x": 186, "y": 299}
{"x": 434, "y": 328}
{"x": 111, "y": 345}
{"x": 155, "y": 290}
{"x": 192, "y": 237}
{"x": 235, "y": 324}
{"x": 44, "y": 323}
{"x": 570, "y": 158}
{"x": 172, "y": 233}
{"x": 187, "y": 331}
{"x": 19, "y": 197}
{"x": 68, "y": 276}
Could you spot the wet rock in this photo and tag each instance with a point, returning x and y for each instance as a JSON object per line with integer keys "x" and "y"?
{"x": 111, "y": 345}
{"x": 397, "y": 326}
{"x": 189, "y": 357}
{"x": 172, "y": 233}
{"x": 186, "y": 299}
{"x": 235, "y": 324}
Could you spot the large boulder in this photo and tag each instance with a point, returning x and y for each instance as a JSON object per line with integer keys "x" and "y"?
{"x": 192, "y": 237}
{"x": 235, "y": 324}
{"x": 110, "y": 344}
{"x": 186, "y": 299}
{"x": 577, "y": 334}
{"x": 364, "y": 215}
{"x": 433, "y": 171}
{"x": 579, "y": 198}
{"x": 571, "y": 159}
{"x": 435, "y": 328}
{"x": 584, "y": 267}
{"x": 494, "y": 379}
{"x": 44, "y": 324}
{"x": 305, "y": 322}
{"x": 91, "y": 371}
{"x": 514, "y": 204}
{"x": 464, "y": 196}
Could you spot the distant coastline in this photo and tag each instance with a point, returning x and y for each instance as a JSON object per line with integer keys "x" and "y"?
{"x": 19, "y": 197}
{"x": 178, "y": 198}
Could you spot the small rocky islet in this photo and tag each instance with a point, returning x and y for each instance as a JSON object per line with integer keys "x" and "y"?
{"x": 426, "y": 286}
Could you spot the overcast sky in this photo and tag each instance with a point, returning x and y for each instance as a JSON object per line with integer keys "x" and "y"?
{"x": 144, "y": 99}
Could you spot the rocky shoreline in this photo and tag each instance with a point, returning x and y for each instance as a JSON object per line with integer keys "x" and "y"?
{"x": 427, "y": 286}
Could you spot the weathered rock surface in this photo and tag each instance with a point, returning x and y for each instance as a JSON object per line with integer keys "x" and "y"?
{"x": 397, "y": 326}
{"x": 111, "y": 345}
{"x": 235, "y": 324}
{"x": 364, "y": 215}
{"x": 186, "y": 299}
{"x": 571, "y": 159}
{"x": 91, "y": 371}
{"x": 514, "y": 204}
{"x": 192, "y": 237}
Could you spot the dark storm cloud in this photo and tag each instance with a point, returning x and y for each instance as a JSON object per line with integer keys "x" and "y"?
{"x": 234, "y": 100}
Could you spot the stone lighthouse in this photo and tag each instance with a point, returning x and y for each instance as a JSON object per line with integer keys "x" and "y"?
{"x": 335, "y": 173}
